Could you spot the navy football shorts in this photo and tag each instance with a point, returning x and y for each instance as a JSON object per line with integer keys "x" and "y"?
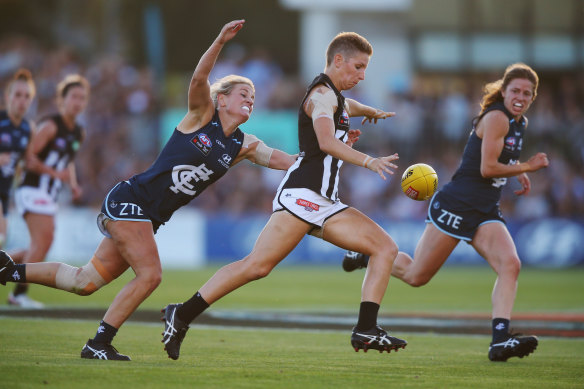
{"x": 457, "y": 219}
{"x": 121, "y": 204}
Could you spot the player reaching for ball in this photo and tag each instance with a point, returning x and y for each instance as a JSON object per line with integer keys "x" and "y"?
{"x": 467, "y": 208}
{"x": 204, "y": 145}
{"x": 307, "y": 202}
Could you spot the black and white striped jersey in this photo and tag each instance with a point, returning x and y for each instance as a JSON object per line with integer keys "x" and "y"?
{"x": 56, "y": 154}
{"x": 315, "y": 169}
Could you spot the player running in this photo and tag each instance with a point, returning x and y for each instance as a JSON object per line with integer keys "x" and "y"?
{"x": 49, "y": 164}
{"x": 307, "y": 202}
{"x": 467, "y": 208}
{"x": 15, "y": 135}
{"x": 204, "y": 145}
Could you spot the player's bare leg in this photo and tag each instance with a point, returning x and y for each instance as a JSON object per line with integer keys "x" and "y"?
{"x": 279, "y": 237}
{"x": 352, "y": 230}
{"x": 431, "y": 252}
{"x": 281, "y": 234}
{"x": 134, "y": 242}
{"x": 495, "y": 244}
{"x": 42, "y": 231}
{"x": 41, "y": 228}
{"x": 76, "y": 279}
{"x": 106, "y": 265}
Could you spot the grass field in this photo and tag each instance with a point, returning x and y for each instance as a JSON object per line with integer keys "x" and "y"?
{"x": 457, "y": 289}
{"x": 45, "y": 353}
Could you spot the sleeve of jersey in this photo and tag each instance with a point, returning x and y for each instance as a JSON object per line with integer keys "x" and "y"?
{"x": 263, "y": 153}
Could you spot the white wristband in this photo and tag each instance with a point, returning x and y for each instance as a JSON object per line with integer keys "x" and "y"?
{"x": 368, "y": 160}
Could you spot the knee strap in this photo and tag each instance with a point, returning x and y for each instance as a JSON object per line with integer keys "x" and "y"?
{"x": 84, "y": 280}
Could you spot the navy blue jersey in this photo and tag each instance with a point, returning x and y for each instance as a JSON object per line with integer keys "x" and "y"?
{"x": 13, "y": 140}
{"x": 314, "y": 169}
{"x": 186, "y": 166}
{"x": 56, "y": 154}
{"x": 468, "y": 185}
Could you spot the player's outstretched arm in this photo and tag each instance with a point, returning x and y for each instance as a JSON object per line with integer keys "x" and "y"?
{"x": 199, "y": 88}
{"x": 281, "y": 160}
{"x": 256, "y": 151}
{"x": 320, "y": 106}
{"x": 370, "y": 114}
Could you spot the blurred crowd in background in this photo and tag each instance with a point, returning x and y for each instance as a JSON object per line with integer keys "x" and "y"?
{"x": 433, "y": 120}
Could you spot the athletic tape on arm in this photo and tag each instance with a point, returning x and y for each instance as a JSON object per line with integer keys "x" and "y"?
{"x": 263, "y": 153}
{"x": 324, "y": 104}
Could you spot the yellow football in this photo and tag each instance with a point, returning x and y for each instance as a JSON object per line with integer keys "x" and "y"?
{"x": 419, "y": 181}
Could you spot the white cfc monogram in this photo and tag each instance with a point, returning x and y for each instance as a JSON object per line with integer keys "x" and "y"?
{"x": 182, "y": 175}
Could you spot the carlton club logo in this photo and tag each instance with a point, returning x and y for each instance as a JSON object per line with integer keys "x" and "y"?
{"x": 183, "y": 175}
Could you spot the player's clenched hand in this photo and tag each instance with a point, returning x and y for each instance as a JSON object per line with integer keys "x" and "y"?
{"x": 382, "y": 165}
{"x": 379, "y": 114}
{"x": 538, "y": 161}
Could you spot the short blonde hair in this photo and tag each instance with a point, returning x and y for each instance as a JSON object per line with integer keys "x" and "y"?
{"x": 348, "y": 44}
{"x": 225, "y": 85}
{"x": 70, "y": 81}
